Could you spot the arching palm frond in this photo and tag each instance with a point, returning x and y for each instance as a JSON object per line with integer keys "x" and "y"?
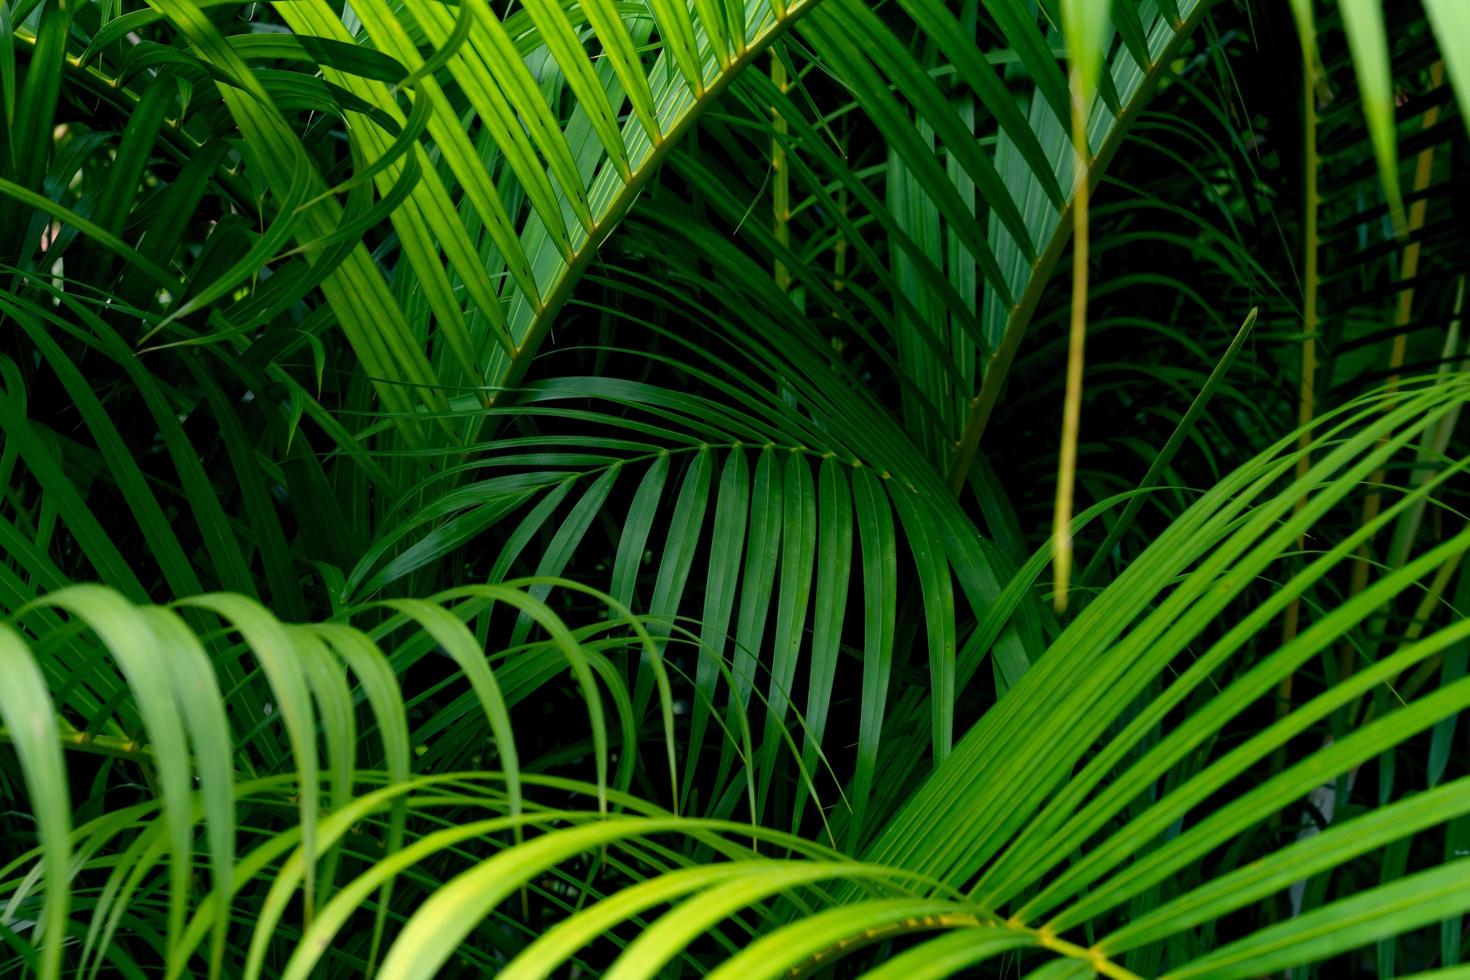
{"x": 500, "y": 489}
{"x": 1047, "y": 826}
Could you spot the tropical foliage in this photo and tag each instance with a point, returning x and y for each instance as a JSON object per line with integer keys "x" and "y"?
{"x": 586, "y": 486}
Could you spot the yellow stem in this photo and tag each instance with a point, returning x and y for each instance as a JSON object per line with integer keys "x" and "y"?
{"x": 1408, "y": 269}
{"x": 998, "y": 365}
{"x": 1072, "y": 405}
{"x": 1044, "y": 938}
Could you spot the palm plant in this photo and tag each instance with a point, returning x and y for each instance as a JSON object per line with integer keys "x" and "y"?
{"x": 568, "y": 488}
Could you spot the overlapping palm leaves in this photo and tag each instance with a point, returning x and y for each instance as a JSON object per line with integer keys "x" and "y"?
{"x": 215, "y": 201}
{"x": 1008, "y": 809}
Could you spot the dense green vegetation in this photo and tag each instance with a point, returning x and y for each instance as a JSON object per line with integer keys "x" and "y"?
{"x": 747, "y": 487}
